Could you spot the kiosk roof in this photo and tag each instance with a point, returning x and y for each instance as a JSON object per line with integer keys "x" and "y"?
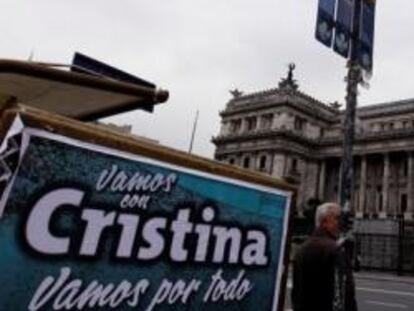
{"x": 75, "y": 95}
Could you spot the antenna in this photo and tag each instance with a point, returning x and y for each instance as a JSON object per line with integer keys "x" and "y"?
{"x": 31, "y": 55}
{"x": 193, "y": 134}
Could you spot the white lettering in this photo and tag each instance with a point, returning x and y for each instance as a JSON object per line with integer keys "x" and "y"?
{"x": 223, "y": 236}
{"x": 180, "y": 228}
{"x": 38, "y": 234}
{"x": 105, "y": 178}
{"x": 254, "y": 252}
{"x": 96, "y": 222}
{"x": 65, "y": 294}
{"x": 152, "y": 235}
{"x": 170, "y": 292}
{"x": 44, "y": 289}
{"x": 220, "y": 289}
{"x": 129, "y": 230}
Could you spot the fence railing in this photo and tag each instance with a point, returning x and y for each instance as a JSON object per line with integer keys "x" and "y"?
{"x": 386, "y": 245}
{"x": 388, "y": 252}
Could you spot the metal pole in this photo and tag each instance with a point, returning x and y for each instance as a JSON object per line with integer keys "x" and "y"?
{"x": 354, "y": 77}
{"x": 346, "y": 179}
{"x": 193, "y": 133}
{"x": 346, "y": 188}
{"x": 401, "y": 231}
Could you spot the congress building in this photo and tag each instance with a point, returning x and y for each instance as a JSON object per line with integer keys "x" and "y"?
{"x": 286, "y": 133}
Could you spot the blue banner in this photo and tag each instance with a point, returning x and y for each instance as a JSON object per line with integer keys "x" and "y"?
{"x": 328, "y": 6}
{"x": 344, "y": 16}
{"x": 91, "y": 228}
{"x": 325, "y": 21}
{"x": 343, "y": 31}
{"x": 366, "y": 35}
{"x": 342, "y": 42}
{"x": 351, "y": 36}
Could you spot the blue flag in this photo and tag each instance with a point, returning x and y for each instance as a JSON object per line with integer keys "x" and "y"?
{"x": 344, "y": 24}
{"x": 345, "y": 14}
{"x": 325, "y": 21}
{"x": 366, "y": 35}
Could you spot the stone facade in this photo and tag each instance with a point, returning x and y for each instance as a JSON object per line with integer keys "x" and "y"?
{"x": 286, "y": 133}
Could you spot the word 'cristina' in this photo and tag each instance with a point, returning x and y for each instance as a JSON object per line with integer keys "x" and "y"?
{"x": 179, "y": 237}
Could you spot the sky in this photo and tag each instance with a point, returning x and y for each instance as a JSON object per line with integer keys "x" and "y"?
{"x": 200, "y": 49}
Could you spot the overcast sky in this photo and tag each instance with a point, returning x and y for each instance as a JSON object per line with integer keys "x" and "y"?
{"x": 199, "y": 49}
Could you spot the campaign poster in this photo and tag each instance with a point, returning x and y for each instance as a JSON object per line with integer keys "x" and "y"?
{"x": 86, "y": 227}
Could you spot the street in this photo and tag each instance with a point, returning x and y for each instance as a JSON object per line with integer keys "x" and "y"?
{"x": 376, "y": 292}
{"x": 385, "y": 294}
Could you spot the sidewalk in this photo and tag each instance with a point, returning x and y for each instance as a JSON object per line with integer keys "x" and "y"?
{"x": 377, "y": 276}
{"x": 384, "y": 276}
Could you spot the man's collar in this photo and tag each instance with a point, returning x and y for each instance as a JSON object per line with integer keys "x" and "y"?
{"x": 320, "y": 232}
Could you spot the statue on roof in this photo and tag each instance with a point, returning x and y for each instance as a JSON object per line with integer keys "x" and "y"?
{"x": 291, "y": 67}
{"x": 289, "y": 82}
{"x": 236, "y": 93}
{"x": 335, "y": 105}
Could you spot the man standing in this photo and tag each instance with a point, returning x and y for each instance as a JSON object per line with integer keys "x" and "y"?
{"x": 322, "y": 280}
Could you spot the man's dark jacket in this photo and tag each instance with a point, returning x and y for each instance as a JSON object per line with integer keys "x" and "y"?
{"x": 315, "y": 271}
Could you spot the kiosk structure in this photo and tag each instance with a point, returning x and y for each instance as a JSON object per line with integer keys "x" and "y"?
{"x": 91, "y": 219}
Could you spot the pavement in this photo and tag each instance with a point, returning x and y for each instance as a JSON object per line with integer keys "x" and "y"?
{"x": 379, "y": 291}
{"x": 383, "y": 292}
{"x": 384, "y": 277}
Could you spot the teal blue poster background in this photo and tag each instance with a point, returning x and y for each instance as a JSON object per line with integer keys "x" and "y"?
{"x": 49, "y": 164}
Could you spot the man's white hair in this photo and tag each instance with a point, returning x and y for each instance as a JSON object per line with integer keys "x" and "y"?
{"x": 323, "y": 211}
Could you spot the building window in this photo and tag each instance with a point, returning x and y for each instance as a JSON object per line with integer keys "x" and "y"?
{"x": 403, "y": 203}
{"x": 267, "y": 121}
{"x": 235, "y": 126}
{"x": 405, "y": 124}
{"x": 232, "y": 161}
{"x": 379, "y": 198}
{"x": 391, "y": 126}
{"x": 251, "y": 123}
{"x": 322, "y": 132}
{"x": 262, "y": 164}
{"x": 246, "y": 162}
{"x": 299, "y": 124}
{"x": 294, "y": 165}
{"x": 405, "y": 168}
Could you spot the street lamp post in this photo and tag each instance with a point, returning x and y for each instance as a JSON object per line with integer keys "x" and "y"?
{"x": 348, "y": 27}
{"x": 353, "y": 78}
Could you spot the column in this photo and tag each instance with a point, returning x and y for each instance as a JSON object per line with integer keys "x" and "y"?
{"x": 239, "y": 159}
{"x": 259, "y": 126}
{"x": 225, "y": 128}
{"x": 338, "y": 193}
{"x": 278, "y": 165}
{"x": 385, "y": 186}
{"x": 362, "y": 187}
{"x": 301, "y": 198}
{"x": 286, "y": 163}
{"x": 275, "y": 121}
{"x": 257, "y": 161}
{"x": 410, "y": 183}
{"x": 243, "y": 126}
{"x": 321, "y": 181}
